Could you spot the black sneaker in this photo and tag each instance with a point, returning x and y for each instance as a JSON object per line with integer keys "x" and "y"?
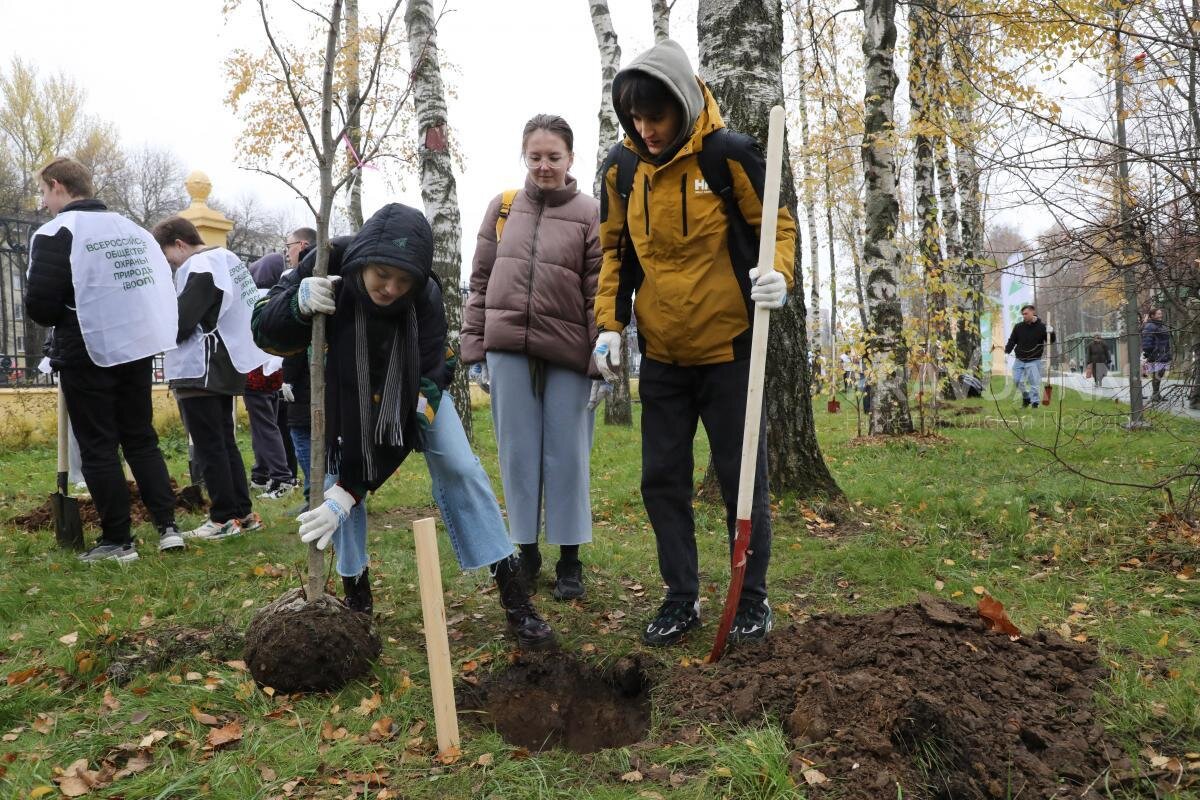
{"x": 358, "y": 593}
{"x": 752, "y": 622}
{"x": 170, "y": 539}
{"x": 1035, "y": 405}
{"x": 675, "y": 618}
{"x": 569, "y": 580}
{"x": 107, "y": 551}
{"x": 1024, "y": 402}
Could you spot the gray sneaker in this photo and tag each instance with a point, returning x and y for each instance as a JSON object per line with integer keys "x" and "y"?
{"x": 170, "y": 539}
{"x": 106, "y": 551}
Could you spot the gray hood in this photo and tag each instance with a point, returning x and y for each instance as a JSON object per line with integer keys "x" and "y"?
{"x": 667, "y": 62}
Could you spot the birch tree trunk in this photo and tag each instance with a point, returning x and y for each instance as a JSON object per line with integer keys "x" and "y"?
{"x": 439, "y": 191}
{"x": 810, "y": 206}
{"x": 970, "y": 311}
{"x": 660, "y": 13}
{"x": 833, "y": 301}
{"x": 741, "y": 55}
{"x": 881, "y": 256}
{"x": 618, "y": 408}
{"x": 354, "y": 104}
{"x": 928, "y": 253}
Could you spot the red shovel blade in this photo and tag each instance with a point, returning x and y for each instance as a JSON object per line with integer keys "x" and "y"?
{"x": 741, "y": 543}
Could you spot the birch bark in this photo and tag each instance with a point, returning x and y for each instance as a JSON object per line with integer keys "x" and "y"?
{"x": 881, "y": 256}
{"x": 439, "y": 190}
{"x": 741, "y": 55}
{"x": 618, "y": 408}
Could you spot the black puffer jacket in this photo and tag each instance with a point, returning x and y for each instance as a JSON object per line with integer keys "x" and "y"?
{"x": 279, "y": 328}
{"x": 50, "y": 295}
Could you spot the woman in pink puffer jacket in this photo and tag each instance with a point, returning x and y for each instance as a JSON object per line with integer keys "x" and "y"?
{"x": 528, "y": 332}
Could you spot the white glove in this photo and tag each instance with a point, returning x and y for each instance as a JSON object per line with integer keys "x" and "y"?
{"x": 601, "y": 390}
{"x": 316, "y": 296}
{"x": 607, "y": 354}
{"x": 770, "y": 292}
{"x": 286, "y": 392}
{"x": 478, "y": 372}
{"x": 319, "y": 524}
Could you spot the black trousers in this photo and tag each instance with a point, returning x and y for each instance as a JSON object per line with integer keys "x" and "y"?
{"x": 674, "y": 400}
{"x": 209, "y": 421}
{"x": 111, "y": 407}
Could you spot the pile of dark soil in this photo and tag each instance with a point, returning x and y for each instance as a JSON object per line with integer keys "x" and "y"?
{"x": 922, "y": 697}
{"x": 189, "y": 498}
{"x": 155, "y": 649}
{"x": 549, "y": 700}
{"x": 293, "y": 645}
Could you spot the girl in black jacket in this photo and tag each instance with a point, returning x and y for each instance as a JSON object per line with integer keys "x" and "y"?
{"x": 385, "y": 369}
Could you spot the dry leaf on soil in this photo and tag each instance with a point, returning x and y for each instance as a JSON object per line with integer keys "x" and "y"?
{"x": 992, "y": 610}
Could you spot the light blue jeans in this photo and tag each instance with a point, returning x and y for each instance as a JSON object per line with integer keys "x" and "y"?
{"x": 302, "y": 441}
{"x": 1028, "y": 377}
{"x": 462, "y": 491}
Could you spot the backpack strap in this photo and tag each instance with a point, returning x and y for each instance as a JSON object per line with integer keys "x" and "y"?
{"x": 713, "y": 159}
{"x": 627, "y": 164}
{"x": 506, "y": 204}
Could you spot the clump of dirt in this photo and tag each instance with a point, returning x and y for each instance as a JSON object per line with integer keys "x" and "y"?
{"x": 157, "y": 648}
{"x": 553, "y": 700}
{"x": 294, "y": 645}
{"x": 922, "y": 697}
{"x": 189, "y": 498}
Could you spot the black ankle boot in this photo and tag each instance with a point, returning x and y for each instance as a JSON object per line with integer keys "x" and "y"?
{"x": 358, "y": 593}
{"x": 526, "y": 624}
{"x": 531, "y": 565}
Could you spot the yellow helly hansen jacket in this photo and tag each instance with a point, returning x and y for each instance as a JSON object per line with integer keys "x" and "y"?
{"x": 692, "y": 304}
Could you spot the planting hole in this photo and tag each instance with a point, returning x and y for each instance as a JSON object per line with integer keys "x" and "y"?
{"x": 555, "y": 701}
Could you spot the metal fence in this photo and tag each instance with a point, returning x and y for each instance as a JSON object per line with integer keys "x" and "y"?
{"x": 21, "y": 340}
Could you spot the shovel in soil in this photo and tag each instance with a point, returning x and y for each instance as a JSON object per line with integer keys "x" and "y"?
{"x": 68, "y": 527}
{"x": 754, "y": 388}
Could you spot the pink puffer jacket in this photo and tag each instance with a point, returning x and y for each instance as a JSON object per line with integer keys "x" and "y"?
{"x": 533, "y": 293}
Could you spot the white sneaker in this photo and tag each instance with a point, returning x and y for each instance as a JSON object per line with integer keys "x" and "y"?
{"x": 212, "y": 531}
{"x": 277, "y": 490}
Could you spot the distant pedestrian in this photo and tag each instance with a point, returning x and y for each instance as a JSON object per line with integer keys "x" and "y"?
{"x": 1098, "y": 357}
{"x": 1156, "y": 349}
{"x": 98, "y": 279}
{"x": 1027, "y": 343}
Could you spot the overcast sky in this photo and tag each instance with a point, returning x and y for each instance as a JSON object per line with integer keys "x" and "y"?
{"x": 155, "y": 69}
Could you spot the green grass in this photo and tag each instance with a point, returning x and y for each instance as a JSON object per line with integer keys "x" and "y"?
{"x": 980, "y": 509}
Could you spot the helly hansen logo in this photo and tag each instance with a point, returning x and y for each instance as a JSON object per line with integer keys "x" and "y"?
{"x": 700, "y": 186}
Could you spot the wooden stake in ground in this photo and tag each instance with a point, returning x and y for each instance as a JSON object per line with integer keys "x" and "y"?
{"x": 754, "y": 388}
{"x": 437, "y": 645}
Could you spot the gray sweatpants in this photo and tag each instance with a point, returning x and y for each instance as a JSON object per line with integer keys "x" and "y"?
{"x": 270, "y": 456}
{"x": 545, "y": 447}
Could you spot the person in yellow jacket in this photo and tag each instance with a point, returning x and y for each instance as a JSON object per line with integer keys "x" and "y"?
{"x": 679, "y": 231}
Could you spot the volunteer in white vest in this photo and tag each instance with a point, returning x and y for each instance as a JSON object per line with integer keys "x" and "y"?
{"x": 103, "y": 285}
{"x": 208, "y": 368}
